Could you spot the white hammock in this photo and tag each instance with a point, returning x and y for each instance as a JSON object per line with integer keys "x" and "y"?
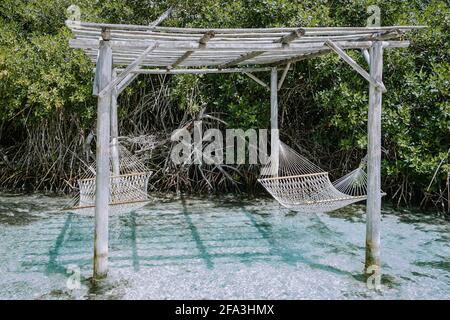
{"x": 128, "y": 189}
{"x": 297, "y": 183}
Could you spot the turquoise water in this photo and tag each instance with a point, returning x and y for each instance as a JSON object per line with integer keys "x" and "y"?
{"x": 218, "y": 248}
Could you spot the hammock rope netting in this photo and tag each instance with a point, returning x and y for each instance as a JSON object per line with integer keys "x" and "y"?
{"x": 297, "y": 183}
{"x": 128, "y": 189}
{"x": 293, "y": 180}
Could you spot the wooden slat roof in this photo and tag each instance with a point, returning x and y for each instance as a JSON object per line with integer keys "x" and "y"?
{"x": 223, "y": 48}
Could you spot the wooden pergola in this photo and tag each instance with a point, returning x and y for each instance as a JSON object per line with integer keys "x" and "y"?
{"x": 122, "y": 52}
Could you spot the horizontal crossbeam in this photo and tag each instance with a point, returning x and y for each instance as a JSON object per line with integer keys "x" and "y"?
{"x": 227, "y": 46}
{"x": 197, "y": 71}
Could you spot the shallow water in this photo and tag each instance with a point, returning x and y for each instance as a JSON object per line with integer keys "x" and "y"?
{"x": 218, "y": 248}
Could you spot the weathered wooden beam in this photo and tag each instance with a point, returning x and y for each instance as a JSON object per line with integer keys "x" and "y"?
{"x": 198, "y": 71}
{"x": 125, "y": 82}
{"x": 285, "y": 40}
{"x": 128, "y": 70}
{"x": 274, "y": 134}
{"x": 257, "y": 80}
{"x": 229, "y": 46}
{"x": 385, "y": 35}
{"x": 202, "y": 42}
{"x": 161, "y": 18}
{"x": 181, "y": 59}
{"x": 300, "y": 57}
{"x": 206, "y": 37}
{"x": 366, "y": 56}
{"x": 344, "y": 56}
{"x": 308, "y": 31}
{"x": 114, "y": 130}
{"x": 106, "y": 33}
{"x": 102, "y": 160}
{"x": 236, "y": 30}
{"x": 95, "y": 90}
{"x": 93, "y": 33}
{"x": 106, "y": 36}
{"x": 295, "y": 34}
{"x": 373, "y": 216}
{"x": 283, "y": 76}
{"x": 246, "y": 56}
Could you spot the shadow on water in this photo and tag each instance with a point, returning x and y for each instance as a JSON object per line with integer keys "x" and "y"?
{"x": 196, "y": 236}
{"x": 443, "y": 264}
{"x": 53, "y": 266}
{"x": 213, "y": 232}
{"x": 287, "y": 256}
{"x": 130, "y": 222}
{"x": 134, "y": 251}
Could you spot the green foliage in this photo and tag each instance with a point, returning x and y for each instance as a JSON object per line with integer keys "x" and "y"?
{"x": 323, "y": 102}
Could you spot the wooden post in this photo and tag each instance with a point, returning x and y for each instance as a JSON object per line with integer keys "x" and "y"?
{"x": 373, "y": 262}
{"x": 274, "y": 136}
{"x": 102, "y": 155}
{"x": 114, "y": 131}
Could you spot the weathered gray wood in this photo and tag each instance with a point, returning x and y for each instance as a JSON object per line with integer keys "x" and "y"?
{"x": 274, "y": 134}
{"x": 114, "y": 130}
{"x": 283, "y": 76}
{"x": 128, "y": 70}
{"x": 236, "y": 30}
{"x": 344, "y": 56}
{"x": 374, "y": 162}
{"x": 180, "y": 60}
{"x": 102, "y": 157}
{"x": 228, "y": 46}
{"x": 266, "y": 37}
{"x": 106, "y": 33}
{"x": 158, "y": 59}
{"x": 285, "y": 40}
{"x": 95, "y": 90}
{"x": 125, "y": 82}
{"x": 202, "y": 42}
{"x": 161, "y": 18}
{"x": 240, "y": 59}
{"x": 314, "y": 30}
{"x": 198, "y": 70}
{"x": 295, "y": 34}
{"x": 300, "y": 57}
{"x": 366, "y": 55}
{"x": 164, "y": 57}
{"x": 247, "y": 33}
{"x": 257, "y": 80}
{"x": 386, "y": 35}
